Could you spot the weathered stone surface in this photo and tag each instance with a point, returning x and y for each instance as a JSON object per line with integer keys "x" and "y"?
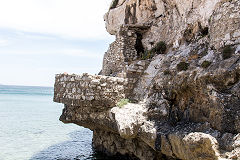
{"x": 112, "y": 144}
{"x": 225, "y": 24}
{"x": 87, "y": 90}
{"x": 185, "y": 104}
{"x": 178, "y": 15}
{"x": 194, "y": 146}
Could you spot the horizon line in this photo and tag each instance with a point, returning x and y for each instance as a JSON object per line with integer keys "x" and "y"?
{"x": 25, "y": 85}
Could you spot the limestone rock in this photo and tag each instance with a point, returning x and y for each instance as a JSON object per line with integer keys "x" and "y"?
{"x": 184, "y": 102}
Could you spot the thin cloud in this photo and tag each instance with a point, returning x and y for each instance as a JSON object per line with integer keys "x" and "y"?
{"x": 67, "y": 52}
{"x": 38, "y": 37}
{"x": 80, "y": 53}
{"x": 4, "y": 42}
{"x": 45, "y": 37}
{"x": 67, "y": 18}
{"x": 70, "y": 70}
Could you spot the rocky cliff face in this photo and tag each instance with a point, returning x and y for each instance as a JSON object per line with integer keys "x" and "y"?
{"x": 178, "y": 63}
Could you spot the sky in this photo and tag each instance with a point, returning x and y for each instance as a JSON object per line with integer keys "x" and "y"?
{"x": 41, "y": 38}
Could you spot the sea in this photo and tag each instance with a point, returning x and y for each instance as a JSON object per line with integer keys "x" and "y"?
{"x": 30, "y": 128}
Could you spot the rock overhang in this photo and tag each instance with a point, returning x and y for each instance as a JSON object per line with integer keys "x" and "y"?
{"x": 188, "y": 113}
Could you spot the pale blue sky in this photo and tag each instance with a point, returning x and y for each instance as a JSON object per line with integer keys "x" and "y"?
{"x": 40, "y": 38}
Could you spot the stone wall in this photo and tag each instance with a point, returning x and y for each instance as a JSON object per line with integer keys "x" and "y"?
{"x": 121, "y": 51}
{"x": 113, "y": 59}
{"x": 87, "y": 90}
{"x": 96, "y": 90}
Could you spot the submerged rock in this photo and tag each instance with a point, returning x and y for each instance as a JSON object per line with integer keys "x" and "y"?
{"x": 184, "y": 103}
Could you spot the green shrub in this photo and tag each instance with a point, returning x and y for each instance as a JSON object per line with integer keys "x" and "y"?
{"x": 167, "y": 72}
{"x": 159, "y": 48}
{"x": 206, "y": 64}
{"x": 204, "y": 52}
{"x": 182, "y": 66}
{"x": 123, "y": 102}
{"x": 144, "y": 55}
{"x": 147, "y": 55}
{"x": 227, "y": 52}
{"x": 114, "y": 4}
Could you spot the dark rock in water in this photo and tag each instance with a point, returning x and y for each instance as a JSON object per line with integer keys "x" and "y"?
{"x": 183, "y": 104}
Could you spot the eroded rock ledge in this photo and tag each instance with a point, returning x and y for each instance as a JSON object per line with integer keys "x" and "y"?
{"x": 184, "y": 102}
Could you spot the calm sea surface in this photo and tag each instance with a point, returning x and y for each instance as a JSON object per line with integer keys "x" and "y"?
{"x": 30, "y": 129}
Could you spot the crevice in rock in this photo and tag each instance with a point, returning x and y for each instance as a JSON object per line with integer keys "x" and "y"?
{"x": 139, "y": 46}
{"x": 204, "y": 31}
{"x": 130, "y": 14}
{"x": 173, "y": 115}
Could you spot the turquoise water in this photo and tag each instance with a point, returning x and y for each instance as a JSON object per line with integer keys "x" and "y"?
{"x": 30, "y": 129}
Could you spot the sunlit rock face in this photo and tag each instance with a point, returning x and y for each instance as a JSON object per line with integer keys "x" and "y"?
{"x": 169, "y": 86}
{"x": 169, "y": 20}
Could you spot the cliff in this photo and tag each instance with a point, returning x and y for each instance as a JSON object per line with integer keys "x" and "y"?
{"x": 170, "y": 83}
